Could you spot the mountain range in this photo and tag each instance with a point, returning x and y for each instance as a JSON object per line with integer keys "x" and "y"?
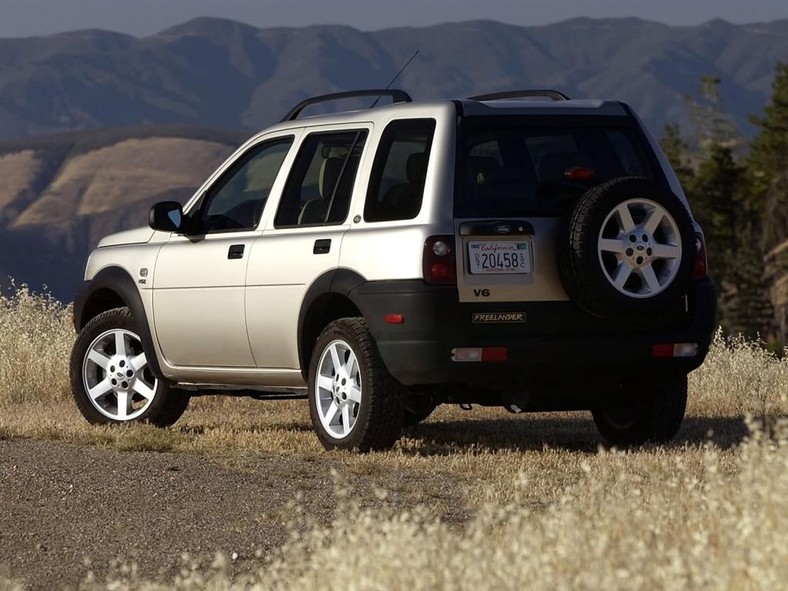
{"x": 95, "y": 126}
{"x": 220, "y": 73}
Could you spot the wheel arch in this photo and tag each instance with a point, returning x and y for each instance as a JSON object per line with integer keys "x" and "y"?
{"x": 99, "y": 300}
{"x": 326, "y": 300}
{"x": 113, "y": 287}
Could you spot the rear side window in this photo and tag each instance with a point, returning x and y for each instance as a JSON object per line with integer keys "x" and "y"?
{"x": 320, "y": 184}
{"x": 519, "y": 171}
{"x": 396, "y": 186}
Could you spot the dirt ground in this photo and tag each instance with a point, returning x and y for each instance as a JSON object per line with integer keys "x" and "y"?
{"x": 67, "y": 509}
{"x": 244, "y": 471}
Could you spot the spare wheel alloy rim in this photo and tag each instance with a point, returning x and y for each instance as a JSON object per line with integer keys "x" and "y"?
{"x": 338, "y": 389}
{"x": 116, "y": 376}
{"x": 639, "y": 248}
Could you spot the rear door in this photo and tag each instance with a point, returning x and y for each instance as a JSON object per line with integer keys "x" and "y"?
{"x": 516, "y": 180}
{"x": 302, "y": 240}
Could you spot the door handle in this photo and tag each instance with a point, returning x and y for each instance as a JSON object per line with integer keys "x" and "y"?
{"x": 322, "y": 246}
{"x": 236, "y": 251}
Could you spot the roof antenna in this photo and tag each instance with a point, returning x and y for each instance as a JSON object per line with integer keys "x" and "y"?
{"x": 402, "y": 69}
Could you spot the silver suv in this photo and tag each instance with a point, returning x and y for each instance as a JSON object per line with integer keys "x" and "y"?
{"x": 516, "y": 249}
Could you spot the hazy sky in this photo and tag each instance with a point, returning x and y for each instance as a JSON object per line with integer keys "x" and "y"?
{"x": 143, "y": 17}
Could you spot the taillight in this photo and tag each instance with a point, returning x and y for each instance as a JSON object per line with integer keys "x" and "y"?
{"x": 438, "y": 261}
{"x": 579, "y": 173}
{"x": 700, "y": 270}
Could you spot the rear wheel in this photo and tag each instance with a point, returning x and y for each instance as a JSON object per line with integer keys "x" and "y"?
{"x": 353, "y": 401}
{"x": 656, "y": 419}
{"x": 111, "y": 380}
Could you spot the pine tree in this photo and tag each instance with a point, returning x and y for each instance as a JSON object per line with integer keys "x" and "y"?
{"x": 768, "y": 167}
{"x": 719, "y": 181}
{"x": 678, "y": 154}
{"x": 732, "y": 212}
{"x": 731, "y": 229}
{"x": 769, "y": 162}
{"x": 712, "y": 124}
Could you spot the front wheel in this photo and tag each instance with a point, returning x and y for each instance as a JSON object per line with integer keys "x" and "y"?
{"x": 353, "y": 401}
{"x": 654, "y": 419}
{"x": 111, "y": 380}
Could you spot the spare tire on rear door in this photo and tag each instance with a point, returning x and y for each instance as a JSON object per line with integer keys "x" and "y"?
{"x": 628, "y": 248}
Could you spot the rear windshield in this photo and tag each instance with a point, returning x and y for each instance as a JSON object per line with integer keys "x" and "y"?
{"x": 540, "y": 171}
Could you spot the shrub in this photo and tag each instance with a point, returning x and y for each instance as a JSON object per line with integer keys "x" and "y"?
{"x": 36, "y": 335}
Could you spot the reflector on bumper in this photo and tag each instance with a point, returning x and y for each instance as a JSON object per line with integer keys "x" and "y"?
{"x": 471, "y": 354}
{"x": 669, "y": 350}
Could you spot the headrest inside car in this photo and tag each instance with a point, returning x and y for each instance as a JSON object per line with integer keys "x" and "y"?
{"x": 416, "y": 168}
{"x": 329, "y": 175}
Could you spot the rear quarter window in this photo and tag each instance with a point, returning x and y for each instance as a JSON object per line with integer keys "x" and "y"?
{"x": 396, "y": 186}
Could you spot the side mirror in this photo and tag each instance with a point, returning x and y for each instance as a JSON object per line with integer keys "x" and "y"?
{"x": 166, "y": 216}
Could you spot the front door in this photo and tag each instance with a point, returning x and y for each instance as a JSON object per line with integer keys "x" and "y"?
{"x": 199, "y": 279}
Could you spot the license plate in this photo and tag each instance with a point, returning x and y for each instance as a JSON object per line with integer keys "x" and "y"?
{"x": 499, "y": 256}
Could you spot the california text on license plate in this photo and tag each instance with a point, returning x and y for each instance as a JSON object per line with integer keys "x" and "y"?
{"x": 499, "y": 256}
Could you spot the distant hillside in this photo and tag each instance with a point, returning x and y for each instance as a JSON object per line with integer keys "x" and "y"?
{"x": 219, "y": 73}
{"x": 163, "y": 98}
{"x": 59, "y": 195}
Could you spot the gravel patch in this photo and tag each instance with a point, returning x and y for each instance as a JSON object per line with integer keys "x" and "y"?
{"x": 68, "y": 509}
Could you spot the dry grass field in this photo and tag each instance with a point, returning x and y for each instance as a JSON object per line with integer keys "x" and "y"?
{"x": 479, "y": 500}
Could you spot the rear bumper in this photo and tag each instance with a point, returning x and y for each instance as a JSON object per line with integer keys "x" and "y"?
{"x": 557, "y": 342}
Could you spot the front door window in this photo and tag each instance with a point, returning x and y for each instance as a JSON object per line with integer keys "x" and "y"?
{"x": 236, "y": 201}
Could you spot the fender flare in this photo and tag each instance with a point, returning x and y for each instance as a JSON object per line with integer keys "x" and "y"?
{"x": 118, "y": 281}
{"x": 336, "y": 281}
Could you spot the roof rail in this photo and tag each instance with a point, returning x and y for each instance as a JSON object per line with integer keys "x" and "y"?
{"x": 397, "y": 96}
{"x": 509, "y": 94}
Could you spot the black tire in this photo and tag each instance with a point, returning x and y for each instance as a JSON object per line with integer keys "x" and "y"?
{"x": 417, "y": 409}
{"x": 375, "y": 421}
{"x": 655, "y": 420}
{"x": 588, "y": 274}
{"x": 164, "y": 405}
